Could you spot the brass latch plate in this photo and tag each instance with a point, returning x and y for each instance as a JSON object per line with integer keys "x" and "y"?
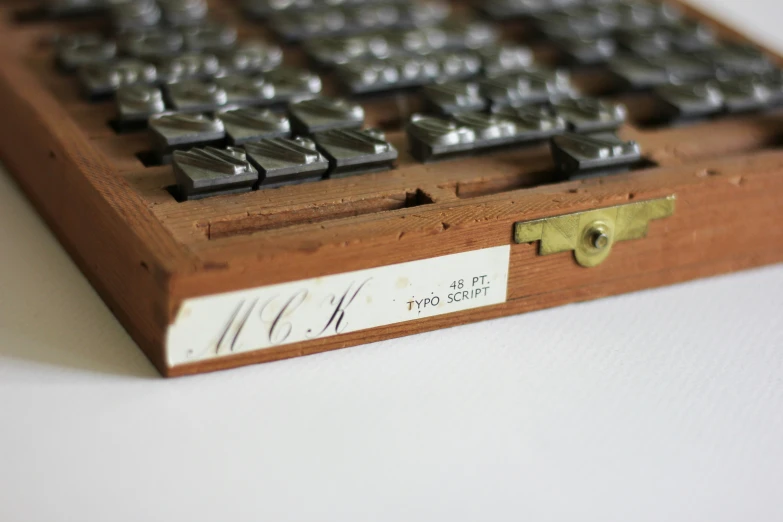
{"x": 591, "y": 234}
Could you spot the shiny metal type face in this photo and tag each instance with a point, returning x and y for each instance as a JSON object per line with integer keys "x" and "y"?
{"x": 246, "y": 90}
{"x": 252, "y": 57}
{"x": 352, "y": 152}
{"x": 333, "y": 51}
{"x": 283, "y": 161}
{"x": 590, "y": 21}
{"x": 343, "y": 21}
{"x": 432, "y": 138}
{"x": 138, "y": 102}
{"x": 643, "y": 72}
{"x": 260, "y": 9}
{"x": 506, "y": 9}
{"x": 753, "y": 92}
{"x": 734, "y": 59}
{"x": 151, "y": 44}
{"x": 583, "y": 22}
{"x": 252, "y": 124}
{"x": 320, "y": 114}
{"x": 685, "y": 67}
{"x": 209, "y": 37}
{"x": 211, "y": 171}
{"x": 183, "y": 12}
{"x": 189, "y": 65}
{"x": 453, "y": 97}
{"x": 292, "y": 84}
{"x": 709, "y": 98}
{"x": 402, "y": 72}
{"x": 680, "y": 37}
{"x": 450, "y": 36}
{"x": 502, "y": 59}
{"x": 264, "y": 8}
{"x": 79, "y": 50}
{"x": 577, "y": 155}
{"x": 690, "y": 100}
{"x": 587, "y": 50}
{"x": 196, "y": 95}
{"x": 530, "y": 87}
{"x": 104, "y": 78}
{"x": 182, "y": 130}
{"x": 535, "y": 122}
{"x": 135, "y": 14}
{"x": 590, "y": 115}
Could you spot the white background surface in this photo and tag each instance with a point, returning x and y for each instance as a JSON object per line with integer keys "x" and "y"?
{"x": 664, "y": 405}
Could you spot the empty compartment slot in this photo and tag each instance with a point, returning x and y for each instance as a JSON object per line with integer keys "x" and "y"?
{"x": 496, "y": 185}
{"x": 276, "y": 219}
{"x": 548, "y": 177}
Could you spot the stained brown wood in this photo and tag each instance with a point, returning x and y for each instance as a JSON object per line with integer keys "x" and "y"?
{"x": 146, "y": 253}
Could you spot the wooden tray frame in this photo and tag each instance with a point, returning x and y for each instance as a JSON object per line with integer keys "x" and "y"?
{"x": 145, "y": 253}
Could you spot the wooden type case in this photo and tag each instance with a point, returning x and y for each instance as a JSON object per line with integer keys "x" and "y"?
{"x": 146, "y": 253}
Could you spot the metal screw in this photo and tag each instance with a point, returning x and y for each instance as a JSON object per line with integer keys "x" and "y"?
{"x": 599, "y": 239}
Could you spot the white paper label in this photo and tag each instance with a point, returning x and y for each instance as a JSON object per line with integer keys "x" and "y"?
{"x": 268, "y": 316}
